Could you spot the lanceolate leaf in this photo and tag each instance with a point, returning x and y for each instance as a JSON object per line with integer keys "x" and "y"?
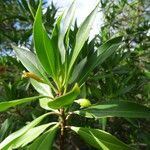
{"x": 30, "y": 61}
{"x": 43, "y": 44}
{"x": 55, "y": 32}
{"x": 77, "y": 70}
{"x": 100, "y": 139}
{"x": 42, "y": 88}
{"x": 5, "y": 126}
{"x": 99, "y": 143}
{"x": 5, "y": 105}
{"x": 4, "y": 145}
{"x": 54, "y": 38}
{"x": 116, "y": 109}
{"x": 66, "y": 99}
{"x": 64, "y": 26}
{"x": 44, "y": 103}
{"x": 45, "y": 141}
{"x": 82, "y": 36}
{"x": 97, "y": 58}
{"x": 30, "y": 135}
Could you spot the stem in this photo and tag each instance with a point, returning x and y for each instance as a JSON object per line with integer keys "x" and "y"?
{"x": 62, "y": 125}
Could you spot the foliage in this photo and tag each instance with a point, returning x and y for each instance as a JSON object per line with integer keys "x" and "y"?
{"x": 59, "y": 70}
{"x": 17, "y": 21}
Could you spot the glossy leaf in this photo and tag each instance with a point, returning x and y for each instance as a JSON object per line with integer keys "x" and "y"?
{"x": 82, "y": 36}
{"x": 30, "y": 61}
{"x": 43, "y": 44}
{"x": 45, "y": 141}
{"x": 30, "y": 135}
{"x": 44, "y": 103}
{"x": 97, "y": 58}
{"x": 42, "y": 88}
{"x": 64, "y": 26}
{"x": 116, "y": 109}
{"x": 55, "y": 32}
{"x": 100, "y": 139}
{"x": 66, "y": 99}
{"x": 77, "y": 70}
{"x": 6, "y": 143}
{"x": 54, "y": 38}
{"x": 6, "y": 105}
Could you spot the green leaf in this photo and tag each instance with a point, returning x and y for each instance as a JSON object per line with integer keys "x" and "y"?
{"x": 44, "y": 103}
{"x": 66, "y": 99}
{"x": 42, "y": 88}
{"x": 116, "y": 109}
{"x": 54, "y": 38}
{"x": 30, "y": 61}
{"x": 64, "y": 26}
{"x": 147, "y": 74}
{"x": 82, "y": 36}
{"x": 97, "y": 58}
{"x": 55, "y": 32}
{"x": 43, "y": 44}
{"x": 5, "y": 105}
{"x": 30, "y": 135}
{"x": 45, "y": 141}
{"x": 100, "y": 139}
{"x": 77, "y": 70}
{"x": 5, "y": 144}
{"x": 4, "y": 128}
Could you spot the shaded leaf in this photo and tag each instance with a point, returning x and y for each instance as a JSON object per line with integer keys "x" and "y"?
{"x": 116, "y": 109}
{"x": 77, "y": 70}
{"x": 97, "y": 58}
{"x": 4, "y": 128}
{"x": 5, "y": 105}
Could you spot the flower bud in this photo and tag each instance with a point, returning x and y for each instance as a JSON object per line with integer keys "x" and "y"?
{"x": 83, "y": 102}
{"x": 31, "y": 75}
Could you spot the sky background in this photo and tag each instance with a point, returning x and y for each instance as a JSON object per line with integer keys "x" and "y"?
{"x": 84, "y": 7}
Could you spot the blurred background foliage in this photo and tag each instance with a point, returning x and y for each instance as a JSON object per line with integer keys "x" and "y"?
{"x": 125, "y": 75}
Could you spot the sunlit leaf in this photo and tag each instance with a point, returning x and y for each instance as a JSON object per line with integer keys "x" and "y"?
{"x": 66, "y": 99}
{"x": 30, "y": 61}
{"x": 42, "y": 88}
{"x": 64, "y": 26}
{"x": 44, "y": 103}
{"x": 82, "y": 36}
{"x": 43, "y": 44}
{"x": 6, "y": 143}
{"x": 30, "y": 135}
{"x": 100, "y": 139}
{"x": 45, "y": 141}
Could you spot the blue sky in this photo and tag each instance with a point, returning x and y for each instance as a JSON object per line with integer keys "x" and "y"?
{"x": 84, "y": 7}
